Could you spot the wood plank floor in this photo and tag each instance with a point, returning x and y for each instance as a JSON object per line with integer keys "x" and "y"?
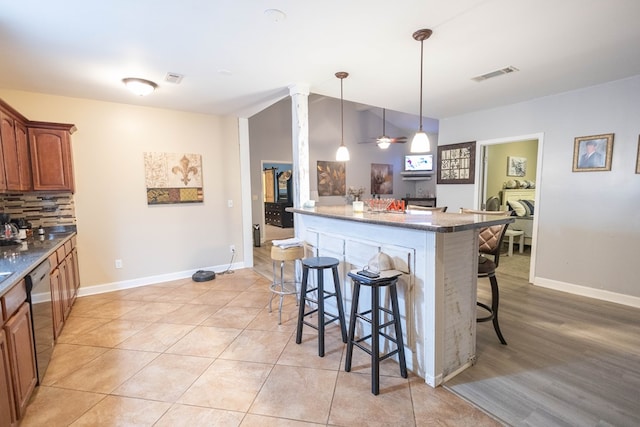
{"x": 570, "y": 360}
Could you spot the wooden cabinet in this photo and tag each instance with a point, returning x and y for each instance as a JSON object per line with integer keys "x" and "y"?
{"x": 65, "y": 281}
{"x": 19, "y": 347}
{"x": 51, "y": 162}
{"x": 22, "y": 357}
{"x": 275, "y": 214}
{"x": 15, "y": 165}
{"x": 7, "y": 402}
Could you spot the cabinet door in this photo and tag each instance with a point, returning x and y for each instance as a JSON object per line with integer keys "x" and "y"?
{"x": 24, "y": 159}
{"x": 10, "y": 174}
{"x": 56, "y": 302}
{"x": 22, "y": 356}
{"x": 7, "y": 403}
{"x": 51, "y": 163}
{"x": 64, "y": 288}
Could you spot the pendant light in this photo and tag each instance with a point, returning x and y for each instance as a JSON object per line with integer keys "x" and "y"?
{"x": 420, "y": 142}
{"x": 342, "y": 155}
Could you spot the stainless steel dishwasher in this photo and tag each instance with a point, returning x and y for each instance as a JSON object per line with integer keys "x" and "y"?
{"x": 38, "y": 285}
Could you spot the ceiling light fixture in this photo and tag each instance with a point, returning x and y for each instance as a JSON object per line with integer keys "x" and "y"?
{"x": 140, "y": 87}
{"x": 420, "y": 142}
{"x": 342, "y": 155}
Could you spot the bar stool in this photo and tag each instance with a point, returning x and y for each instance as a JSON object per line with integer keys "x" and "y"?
{"x": 377, "y": 327}
{"x": 284, "y": 287}
{"x": 320, "y": 264}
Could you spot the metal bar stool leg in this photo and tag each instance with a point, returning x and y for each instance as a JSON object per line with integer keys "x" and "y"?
{"x": 398, "y": 328}
{"x": 375, "y": 340}
{"x": 495, "y": 303}
{"x": 352, "y": 325}
{"x": 320, "y": 312}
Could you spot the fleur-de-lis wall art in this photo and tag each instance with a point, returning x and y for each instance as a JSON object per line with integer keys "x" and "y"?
{"x": 184, "y": 169}
{"x": 173, "y": 178}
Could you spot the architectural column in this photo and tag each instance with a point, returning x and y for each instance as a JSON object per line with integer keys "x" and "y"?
{"x": 300, "y": 142}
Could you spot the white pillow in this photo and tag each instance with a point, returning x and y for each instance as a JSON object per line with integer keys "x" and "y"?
{"x": 518, "y": 207}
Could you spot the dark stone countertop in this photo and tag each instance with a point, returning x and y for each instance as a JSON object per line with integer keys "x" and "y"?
{"x": 439, "y": 222}
{"x": 20, "y": 259}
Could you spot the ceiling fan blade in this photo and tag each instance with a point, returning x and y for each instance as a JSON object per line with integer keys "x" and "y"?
{"x": 398, "y": 141}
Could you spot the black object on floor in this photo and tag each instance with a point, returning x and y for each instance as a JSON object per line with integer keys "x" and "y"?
{"x": 203, "y": 276}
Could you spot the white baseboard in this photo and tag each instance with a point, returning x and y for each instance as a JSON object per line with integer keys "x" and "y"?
{"x": 584, "y": 291}
{"x": 150, "y": 280}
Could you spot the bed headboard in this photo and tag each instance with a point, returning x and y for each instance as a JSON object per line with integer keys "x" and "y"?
{"x": 517, "y": 194}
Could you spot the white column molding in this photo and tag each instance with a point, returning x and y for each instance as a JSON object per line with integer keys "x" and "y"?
{"x": 300, "y": 142}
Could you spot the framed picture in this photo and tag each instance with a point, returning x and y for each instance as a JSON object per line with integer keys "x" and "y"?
{"x": 592, "y": 153}
{"x": 456, "y": 163}
{"x": 516, "y": 166}
{"x": 638, "y": 157}
{"x": 331, "y": 178}
{"x": 381, "y": 178}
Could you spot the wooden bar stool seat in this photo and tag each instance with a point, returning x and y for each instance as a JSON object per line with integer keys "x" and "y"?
{"x": 282, "y": 287}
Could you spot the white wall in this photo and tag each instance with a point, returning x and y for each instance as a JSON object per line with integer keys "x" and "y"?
{"x": 270, "y": 132}
{"x": 113, "y": 218}
{"x": 589, "y": 222}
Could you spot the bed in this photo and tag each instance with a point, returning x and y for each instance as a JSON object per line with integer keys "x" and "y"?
{"x": 521, "y": 201}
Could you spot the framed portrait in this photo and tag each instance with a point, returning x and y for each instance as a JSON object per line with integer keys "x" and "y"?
{"x": 638, "y": 157}
{"x": 456, "y": 163}
{"x": 592, "y": 153}
{"x": 516, "y": 166}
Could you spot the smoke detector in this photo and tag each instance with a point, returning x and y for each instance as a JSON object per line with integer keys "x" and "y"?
{"x": 496, "y": 73}
{"x": 173, "y": 78}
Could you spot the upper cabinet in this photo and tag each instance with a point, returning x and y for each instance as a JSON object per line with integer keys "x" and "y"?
{"x": 15, "y": 166}
{"x": 51, "y": 162}
{"x": 34, "y": 156}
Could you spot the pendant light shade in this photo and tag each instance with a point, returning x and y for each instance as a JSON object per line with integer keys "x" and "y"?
{"x": 420, "y": 142}
{"x": 342, "y": 155}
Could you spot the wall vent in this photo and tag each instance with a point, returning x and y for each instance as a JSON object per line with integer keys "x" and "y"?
{"x": 507, "y": 70}
{"x": 173, "y": 78}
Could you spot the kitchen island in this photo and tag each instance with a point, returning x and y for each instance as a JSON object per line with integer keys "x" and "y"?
{"x": 437, "y": 254}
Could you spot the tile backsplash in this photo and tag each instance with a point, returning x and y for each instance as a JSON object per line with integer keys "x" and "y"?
{"x": 40, "y": 209}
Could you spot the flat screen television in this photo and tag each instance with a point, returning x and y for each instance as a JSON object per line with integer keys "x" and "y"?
{"x": 418, "y": 163}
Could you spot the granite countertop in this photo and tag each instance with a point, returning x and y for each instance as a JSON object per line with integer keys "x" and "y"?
{"x": 22, "y": 258}
{"x": 439, "y": 222}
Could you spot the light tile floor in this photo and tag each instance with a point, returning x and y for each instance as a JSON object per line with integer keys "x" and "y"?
{"x": 203, "y": 354}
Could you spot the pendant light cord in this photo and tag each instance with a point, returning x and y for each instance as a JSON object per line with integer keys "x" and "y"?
{"x": 341, "y": 114}
{"x": 421, "y": 62}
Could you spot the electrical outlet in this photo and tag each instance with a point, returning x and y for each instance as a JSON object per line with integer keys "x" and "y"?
{"x": 230, "y": 203}
{"x": 232, "y": 248}
{"x": 118, "y": 263}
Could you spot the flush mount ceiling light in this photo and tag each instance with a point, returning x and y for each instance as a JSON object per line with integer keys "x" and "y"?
{"x": 342, "y": 155}
{"x": 140, "y": 87}
{"x": 420, "y": 142}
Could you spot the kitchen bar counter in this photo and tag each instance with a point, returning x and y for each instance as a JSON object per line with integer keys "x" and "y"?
{"x": 22, "y": 258}
{"x": 439, "y": 222}
{"x": 438, "y": 254}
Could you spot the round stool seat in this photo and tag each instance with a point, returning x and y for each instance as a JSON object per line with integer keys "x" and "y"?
{"x": 320, "y": 262}
{"x": 286, "y": 254}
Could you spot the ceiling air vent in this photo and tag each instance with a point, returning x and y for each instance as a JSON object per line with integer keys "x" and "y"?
{"x": 496, "y": 73}
{"x": 173, "y": 78}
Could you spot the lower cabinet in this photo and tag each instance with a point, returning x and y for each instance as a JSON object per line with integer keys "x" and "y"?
{"x": 65, "y": 281}
{"x": 7, "y": 402}
{"x": 16, "y": 346}
{"x": 22, "y": 356}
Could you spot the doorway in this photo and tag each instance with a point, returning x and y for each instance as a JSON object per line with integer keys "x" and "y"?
{"x": 275, "y": 192}
{"x": 496, "y": 173}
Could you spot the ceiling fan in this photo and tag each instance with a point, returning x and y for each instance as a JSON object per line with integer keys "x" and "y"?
{"x": 385, "y": 141}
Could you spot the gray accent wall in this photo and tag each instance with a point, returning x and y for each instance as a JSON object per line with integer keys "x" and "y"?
{"x": 589, "y": 222}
